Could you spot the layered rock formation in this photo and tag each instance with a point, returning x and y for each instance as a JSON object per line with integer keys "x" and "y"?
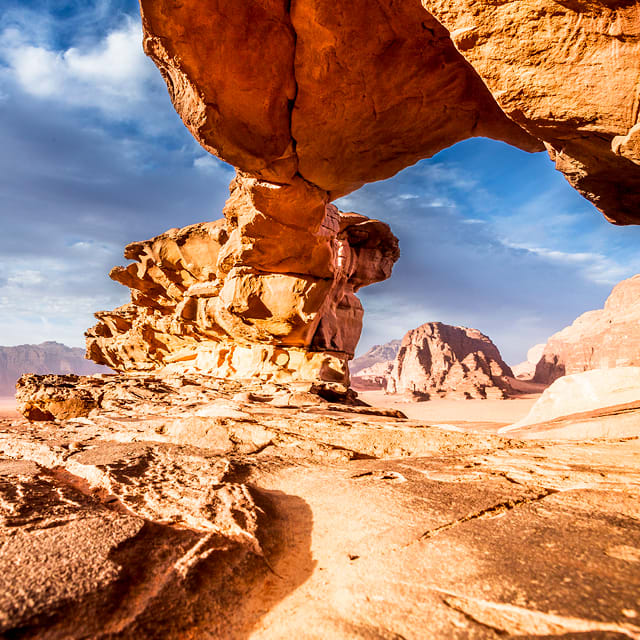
{"x": 267, "y": 292}
{"x": 600, "y": 339}
{"x": 48, "y": 357}
{"x": 308, "y": 105}
{"x": 437, "y": 359}
{"x": 343, "y": 95}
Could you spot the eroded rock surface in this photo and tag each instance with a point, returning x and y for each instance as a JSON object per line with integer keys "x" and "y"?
{"x": 343, "y": 95}
{"x": 601, "y": 339}
{"x": 193, "y": 507}
{"x": 437, "y": 359}
{"x": 268, "y": 292}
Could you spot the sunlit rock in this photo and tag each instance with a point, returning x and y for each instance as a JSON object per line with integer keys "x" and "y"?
{"x": 600, "y": 339}
{"x": 437, "y": 359}
{"x": 251, "y": 295}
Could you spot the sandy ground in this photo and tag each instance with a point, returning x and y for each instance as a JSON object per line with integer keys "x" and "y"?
{"x": 8, "y": 407}
{"x": 475, "y": 415}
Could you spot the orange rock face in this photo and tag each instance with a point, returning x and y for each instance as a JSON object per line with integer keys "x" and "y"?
{"x": 438, "y": 359}
{"x": 566, "y": 72}
{"x": 601, "y": 339}
{"x": 251, "y": 295}
{"x": 341, "y": 95}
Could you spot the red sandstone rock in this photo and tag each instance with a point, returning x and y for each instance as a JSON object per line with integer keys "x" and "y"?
{"x": 437, "y": 359}
{"x": 343, "y": 94}
{"x": 601, "y": 339}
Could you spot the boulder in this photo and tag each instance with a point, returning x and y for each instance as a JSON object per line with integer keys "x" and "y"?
{"x": 601, "y": 339}
{"x": 437, "y": 359}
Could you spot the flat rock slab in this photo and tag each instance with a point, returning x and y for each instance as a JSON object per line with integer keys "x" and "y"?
{"x": 308, "y": 522}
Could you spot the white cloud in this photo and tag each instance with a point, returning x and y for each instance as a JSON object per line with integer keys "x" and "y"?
{"x": 26, "y": 278}
{"x": 596, "y": 267}
{"x": 112, "y": 75}
{"x": 210, "y": 164}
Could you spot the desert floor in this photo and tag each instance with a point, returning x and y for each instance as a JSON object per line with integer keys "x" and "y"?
{"x": 473, "y": 415}
{"x": 8, "y": 407}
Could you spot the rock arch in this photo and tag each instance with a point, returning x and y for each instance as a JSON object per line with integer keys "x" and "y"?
{"x": 311, "y": 99}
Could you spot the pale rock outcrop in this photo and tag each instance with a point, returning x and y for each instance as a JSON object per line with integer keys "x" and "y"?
{"x": 527, "y": 369}
{"x": 437, "y": 359}
{"x": 585, "y": 392}
{"x": 252, "y": 295}
{"x": 341, "y": 95}
{"x": 601, "y": 339}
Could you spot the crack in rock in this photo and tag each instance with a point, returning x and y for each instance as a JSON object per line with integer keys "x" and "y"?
{"x": 490, "y": 512}
{"x": 514, "y": 620}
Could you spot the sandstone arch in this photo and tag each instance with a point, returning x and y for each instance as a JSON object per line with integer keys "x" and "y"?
{"x": 311, "y": 99}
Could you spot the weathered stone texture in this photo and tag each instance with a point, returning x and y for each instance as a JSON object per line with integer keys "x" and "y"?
{"x": 194, "y": 507}
{"x": 254, "y": 294}
{"x": 566, "y": 72}
{"x": 345, "y": 94}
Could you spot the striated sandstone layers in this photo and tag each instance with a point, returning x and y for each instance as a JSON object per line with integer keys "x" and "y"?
{"x": 600, "y": 339}
{"x": 267, "y": 292}
{"x": 341, "y": 95}
{"x": 437, "y": 359}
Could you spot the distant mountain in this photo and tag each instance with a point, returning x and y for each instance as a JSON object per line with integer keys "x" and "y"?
{"x": 48, "y": 357}
{"x": 378, "y": 353}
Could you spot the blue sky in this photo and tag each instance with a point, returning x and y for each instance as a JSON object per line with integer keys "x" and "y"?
{"x": 94, "y": 157}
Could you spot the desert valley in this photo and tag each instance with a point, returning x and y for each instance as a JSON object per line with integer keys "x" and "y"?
{"x": 218, "y": 463}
